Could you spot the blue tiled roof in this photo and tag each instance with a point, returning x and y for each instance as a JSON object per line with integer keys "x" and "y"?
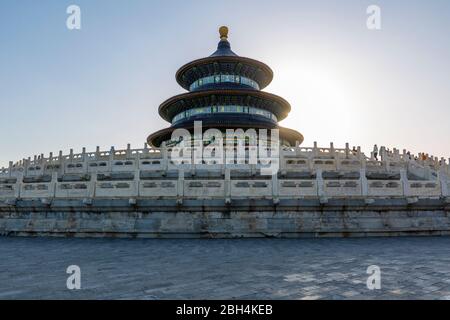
{"x": 223, "y": 49}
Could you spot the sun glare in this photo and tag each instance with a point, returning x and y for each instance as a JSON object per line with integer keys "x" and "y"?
{"x": 324, "y": 100}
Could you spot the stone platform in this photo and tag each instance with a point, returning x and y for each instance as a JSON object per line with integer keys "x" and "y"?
{"x": 212, "y": 219}
{"x": 317, "y": 192}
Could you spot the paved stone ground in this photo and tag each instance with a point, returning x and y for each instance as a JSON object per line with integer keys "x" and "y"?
{"x": 412, "y": 268}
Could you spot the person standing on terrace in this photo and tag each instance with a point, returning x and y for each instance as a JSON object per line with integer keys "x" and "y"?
{"x": 375, "y": 152}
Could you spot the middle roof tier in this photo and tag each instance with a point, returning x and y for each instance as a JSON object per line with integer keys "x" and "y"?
{"x": 256, "y": 101}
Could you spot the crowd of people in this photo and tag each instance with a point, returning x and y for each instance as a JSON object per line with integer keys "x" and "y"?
{"x": 424, "y": 157}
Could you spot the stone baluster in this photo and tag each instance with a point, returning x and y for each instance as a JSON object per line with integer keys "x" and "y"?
{"x": 137, "y": 181}
{"x": 275, "y": 189}
{"x": 85, "y": 160}
{"x": 196, "y": 157}
{"x": 363, "y": 161}
{"x": 19, "y": 182}
{"x": 385, "y": 161}
{"x": 334, "y": 156}
{"x": 128, "y": 152}
{"x": 320, "y": 184}
{"x": 282, "y": 162}
{"x": 442, "y": 163}
{"x": 444, "y": 184}
{"x": 26, "y": 165}
{"x": 93, "y": 190}
{"x": 180, "y": 186}
{"x": 165, "y": 156}
{"x": 53, "y": 184}
{"x": 61, "y": 162}
{"x": 297, "y": 150}
{"x": 310, "y": 157}
{"x": 227, "y": 186}
{"x": 405, "y": 183}
{"x": 10, "y": 168}
{"x": 364, "y": 183}
{"x": 428, "y": 173}
{"x": 397, "y": 154}
{"x": 315, "y": 150}
{"x": 359, "y": 155}
{"x": 382, "y": 153}
{"x": 224, "y": 159}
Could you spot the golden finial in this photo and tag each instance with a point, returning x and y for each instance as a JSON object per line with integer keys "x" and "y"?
{"x": 223, "y": 30}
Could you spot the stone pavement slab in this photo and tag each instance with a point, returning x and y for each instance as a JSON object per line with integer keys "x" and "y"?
{"x": 411, "y": 268}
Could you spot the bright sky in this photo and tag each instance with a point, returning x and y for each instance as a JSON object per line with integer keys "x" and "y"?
{"x": 102, "y": 85}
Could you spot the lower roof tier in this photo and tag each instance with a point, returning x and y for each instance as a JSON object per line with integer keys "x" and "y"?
{"x": 287, "y": 137}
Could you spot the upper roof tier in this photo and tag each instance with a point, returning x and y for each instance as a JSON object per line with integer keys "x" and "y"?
{"x": 224, "y": 62}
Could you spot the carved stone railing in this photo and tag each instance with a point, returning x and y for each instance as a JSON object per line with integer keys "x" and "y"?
{"x": 185, "y": 185}
{"x": 433, "y": 176}
{"x": 323, "y": 157}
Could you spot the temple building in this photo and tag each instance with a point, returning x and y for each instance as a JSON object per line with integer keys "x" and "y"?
{"x": 225, "y": 93}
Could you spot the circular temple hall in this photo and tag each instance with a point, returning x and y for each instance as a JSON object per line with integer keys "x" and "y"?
{"x": 225, "y": 93}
